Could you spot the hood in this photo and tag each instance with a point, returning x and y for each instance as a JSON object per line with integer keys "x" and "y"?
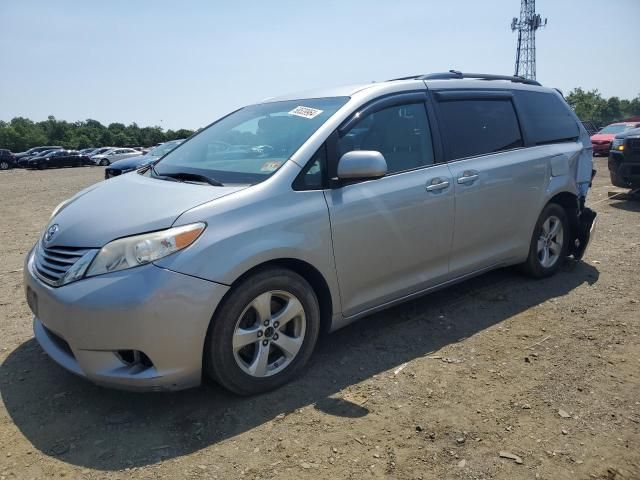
{"x": 629, "y": 133}
{"x": 133, "y": 162}
{"x": 602, "y": 136}
{"x": 128, "y": 205}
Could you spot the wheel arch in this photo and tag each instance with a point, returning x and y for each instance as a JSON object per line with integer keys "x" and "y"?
{"x": 307, "y": 271}
{"x": 571, "y": 204}
{"x": 567, "y": 200}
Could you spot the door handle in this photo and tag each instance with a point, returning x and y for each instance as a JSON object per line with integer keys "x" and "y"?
{"x": 437, "y": 184}
{"x": 468, "y": 177}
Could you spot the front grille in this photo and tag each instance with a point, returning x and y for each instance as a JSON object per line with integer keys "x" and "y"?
{"x": 634, "y": 143}
{"x": 52, "y": 263}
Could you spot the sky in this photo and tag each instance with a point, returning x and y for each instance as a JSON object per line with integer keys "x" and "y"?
{"x": 182, "y": 64}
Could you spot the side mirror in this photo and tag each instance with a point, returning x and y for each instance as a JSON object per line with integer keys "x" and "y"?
{"x": 362, "y": 165}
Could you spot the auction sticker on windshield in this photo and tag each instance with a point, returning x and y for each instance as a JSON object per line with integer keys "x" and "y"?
{"x": 305, "y": 112}
{"x": 271, "y": 166}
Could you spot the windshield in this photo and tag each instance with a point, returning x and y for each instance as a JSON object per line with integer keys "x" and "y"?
{"x": 160, "y": 150}
{"x": 250, "y": 144}
{"x": 615, "y": 128}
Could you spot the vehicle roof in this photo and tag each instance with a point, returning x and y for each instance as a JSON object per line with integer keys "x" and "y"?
{"x": 385, "y": 86}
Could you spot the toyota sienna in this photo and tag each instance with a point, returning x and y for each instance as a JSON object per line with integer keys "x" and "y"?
{"x": 299, "y": 215}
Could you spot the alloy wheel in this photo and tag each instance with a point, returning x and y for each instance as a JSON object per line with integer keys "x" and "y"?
{"x": 550, "y": 241}
{"x": 269, "y": 333}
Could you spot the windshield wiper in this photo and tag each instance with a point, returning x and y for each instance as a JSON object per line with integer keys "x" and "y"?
{"x": 195, "y": 177}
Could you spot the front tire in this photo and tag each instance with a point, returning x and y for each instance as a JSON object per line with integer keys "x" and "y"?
{"x": 104, "y": 162}
{"x": 617, "y": 180}
{"x": 4, "y": 165}
{"x": 549, "y": 243}
{"x": 264, "y": 333}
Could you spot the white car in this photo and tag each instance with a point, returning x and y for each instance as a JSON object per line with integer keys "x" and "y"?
{"x": 110, "y": 156}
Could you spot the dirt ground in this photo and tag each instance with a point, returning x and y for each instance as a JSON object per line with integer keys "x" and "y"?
{"x": 544, "y": 370}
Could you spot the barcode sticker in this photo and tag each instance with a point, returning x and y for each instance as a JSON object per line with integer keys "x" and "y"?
{"x": 271, "y": 166}
{"x": 305, "y": 112}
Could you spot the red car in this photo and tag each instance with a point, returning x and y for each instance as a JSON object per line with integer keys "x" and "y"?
{"x": 601, "y": 141}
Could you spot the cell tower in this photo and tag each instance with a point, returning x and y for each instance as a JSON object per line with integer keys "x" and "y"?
{"x": 526, "y": 27}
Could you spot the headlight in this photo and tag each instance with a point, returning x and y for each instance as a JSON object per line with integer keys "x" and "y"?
{"x": 138, "y": 250}
{"x": 618, "y": 144}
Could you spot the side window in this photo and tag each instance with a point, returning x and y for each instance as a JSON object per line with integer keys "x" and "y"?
{"x": 401, "y": 133}
{"x": 312, "y": 176}
{"x": 546, "y": 117}
{"x": 479, "y": 127}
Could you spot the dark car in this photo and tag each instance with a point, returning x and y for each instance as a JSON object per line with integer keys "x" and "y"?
{"x": 134, "y": 163}
{"x": 60, "y": 158}
{"x": 32, "y": 152}
{"x": 24, "y": 161}
{"x": 624, "y": 159}
{"x": 7, "y": 159}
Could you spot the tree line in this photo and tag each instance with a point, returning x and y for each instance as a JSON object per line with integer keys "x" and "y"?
{"x": 20, "y": 134}
{"x": 592, "y": 106}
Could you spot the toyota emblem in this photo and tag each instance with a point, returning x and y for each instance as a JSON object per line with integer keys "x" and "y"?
{"x": 51, "y": 232}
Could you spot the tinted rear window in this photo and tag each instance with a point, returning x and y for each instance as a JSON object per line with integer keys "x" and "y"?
{"x": 478, "y": 127}
{"x": 546, "y": 117}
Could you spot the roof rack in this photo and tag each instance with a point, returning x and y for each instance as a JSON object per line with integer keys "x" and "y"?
{"x": 454, "y": 74}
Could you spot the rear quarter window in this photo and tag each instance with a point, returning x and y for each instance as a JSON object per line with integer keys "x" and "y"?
{"x": 546, "y": 117}
{"x": 479, "y": 127}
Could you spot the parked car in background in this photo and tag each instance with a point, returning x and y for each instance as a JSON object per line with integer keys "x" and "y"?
{"x": 624, "y": 159}
{"x": 89, "y": 151}
{"x": 36, "y": 151}
{"x": 60, "y": 158}
{"x": 7, "y": 159}
{"x": 134, "y": 163}
{"x": 24, "y": 161}
{"x": 113, "y": 155}
{"x": 601, "y": 141}
{"x": 302, "y": 214}
{"x": 101, "y": 150}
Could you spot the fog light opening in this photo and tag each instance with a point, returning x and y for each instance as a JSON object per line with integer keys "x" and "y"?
{"x": 134, "y": 358}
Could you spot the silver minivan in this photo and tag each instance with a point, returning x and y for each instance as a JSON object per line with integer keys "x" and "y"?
{"x": 231, "y": 254}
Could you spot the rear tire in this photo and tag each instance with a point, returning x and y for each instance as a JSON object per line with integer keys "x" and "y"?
{"x": 264, "y": 333}
{"x": 549, "y": 243}
{"x": 4, "y": 165}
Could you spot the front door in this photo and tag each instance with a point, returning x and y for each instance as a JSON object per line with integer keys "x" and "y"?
{"x": 392, "y": 236}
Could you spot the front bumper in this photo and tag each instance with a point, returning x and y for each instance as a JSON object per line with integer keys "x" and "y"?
{"x": 601, "y": 147}
{"x": 84, "y": 326}
{"x": 627, "y": 171}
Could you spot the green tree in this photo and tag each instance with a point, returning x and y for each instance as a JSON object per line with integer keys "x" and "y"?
{"x": 592, "y": 106}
